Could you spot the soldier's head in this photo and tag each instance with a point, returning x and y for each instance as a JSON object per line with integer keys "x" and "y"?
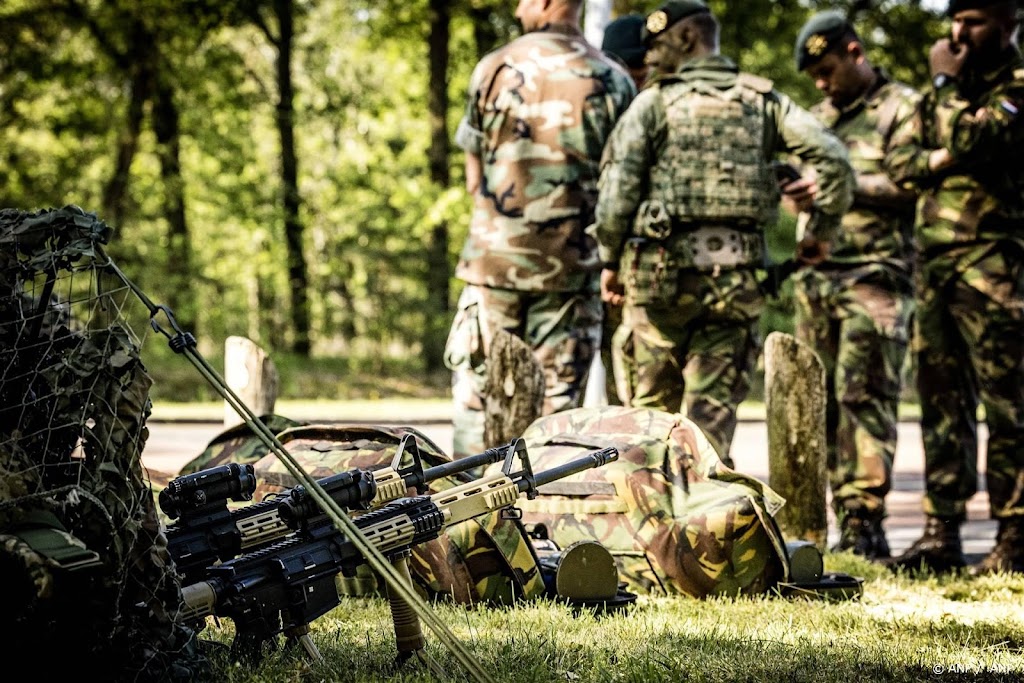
{"x": 830, "y": 52}
{"x": 623, "y": 40}
{"x": 678, "y": 31}
{"x": 535, "y": 14}
{"x": 986, "y": 28}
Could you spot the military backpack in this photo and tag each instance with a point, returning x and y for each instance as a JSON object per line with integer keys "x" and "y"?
{"x": 676, "y": 519}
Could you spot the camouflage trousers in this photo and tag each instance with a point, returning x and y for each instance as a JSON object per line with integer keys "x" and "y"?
{"x": 969, "y": 342}
{"x": 859, "y": 326}
{"x": 561, "y": 328}
{"x": 691, "y": 349}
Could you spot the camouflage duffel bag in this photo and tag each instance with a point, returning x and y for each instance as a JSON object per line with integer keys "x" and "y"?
{"x": 486, "y": 559}
{"x": 237, "y": 444}
{"x": 675, "y": 518}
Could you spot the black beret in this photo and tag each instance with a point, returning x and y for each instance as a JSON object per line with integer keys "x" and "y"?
{"x": 623, "y": 39}
{"x": 961, "y": 5}
{"x": 819, "y": 35}
{"x": 669, "y": 13}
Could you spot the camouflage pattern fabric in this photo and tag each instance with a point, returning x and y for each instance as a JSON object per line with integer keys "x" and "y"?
{"x": 75, "y": 399}
{"x": 487, "y": 559}
{"x": 689, "y": 337}
{"x": 539, "y": 112}
{"x": 637, "y": 143}
{"x": 693, "y": 353}
{"x": 675, "y": 518}
{"x": 855, "y": 309}
{"x": 562, "y": 328}
{"x": 969, "y": 326}
{"x": 237, "y": 444}
{"x": 694, "y": 176}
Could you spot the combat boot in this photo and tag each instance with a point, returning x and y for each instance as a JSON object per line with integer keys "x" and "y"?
{"x": 1008, "y": 553}
{"x": 938, "y": 549}
{"x": 862, "y": 534}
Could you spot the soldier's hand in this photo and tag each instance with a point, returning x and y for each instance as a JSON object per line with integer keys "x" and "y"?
{"x": 811, "y": 251}
{"x": 612, "y": 291}
{"x": 947, "y": 57}
{"x": 939, "y": 159}
{"x": 799, "y": 195}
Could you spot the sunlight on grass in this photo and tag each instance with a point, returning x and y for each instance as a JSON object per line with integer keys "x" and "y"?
{"x": 903, "y": 629}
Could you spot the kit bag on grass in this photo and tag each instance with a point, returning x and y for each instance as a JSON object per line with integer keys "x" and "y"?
{"x": 676, "y": 519}
{"x": 485, "y": 559}
{"x": 237, "y": 444}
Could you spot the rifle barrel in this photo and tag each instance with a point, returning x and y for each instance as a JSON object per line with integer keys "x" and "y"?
{"x": 584, "y": 462}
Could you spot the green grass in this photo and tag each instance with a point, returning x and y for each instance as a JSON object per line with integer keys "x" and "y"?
{"x": 903, "y": 629}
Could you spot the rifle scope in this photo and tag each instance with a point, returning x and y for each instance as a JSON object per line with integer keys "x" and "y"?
{"x": 193, "y": 492}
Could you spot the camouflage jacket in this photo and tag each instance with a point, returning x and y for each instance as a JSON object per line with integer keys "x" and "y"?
{"x": 878, "y": 228}
{"x": 539, "y": 113}
{"x": 980, "y": 199}
{"x": 639, "y": 138}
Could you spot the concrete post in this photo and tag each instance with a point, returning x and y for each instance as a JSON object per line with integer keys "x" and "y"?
{"x": 795, "y": 417}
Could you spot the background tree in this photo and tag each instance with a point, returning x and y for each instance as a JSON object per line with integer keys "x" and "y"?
{"x": 288, "y": 163}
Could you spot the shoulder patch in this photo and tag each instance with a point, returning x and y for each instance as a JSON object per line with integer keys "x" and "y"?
{"x": 758, "y": 83}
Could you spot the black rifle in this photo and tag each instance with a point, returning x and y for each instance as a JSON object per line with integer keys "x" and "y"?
{"x": 284, "y": 587}
{"x": 207, "y": 531}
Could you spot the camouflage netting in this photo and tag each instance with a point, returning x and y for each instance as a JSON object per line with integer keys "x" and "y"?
{"x": 87, "y": 585}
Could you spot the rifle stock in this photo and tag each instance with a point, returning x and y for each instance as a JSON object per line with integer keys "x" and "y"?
{"x": 283, "y": 587}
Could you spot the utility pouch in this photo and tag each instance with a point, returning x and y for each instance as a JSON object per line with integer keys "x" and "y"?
{"x": 649, "y": 273}
{"x": 653, "y": 220}
{"x": 48, "y": 537}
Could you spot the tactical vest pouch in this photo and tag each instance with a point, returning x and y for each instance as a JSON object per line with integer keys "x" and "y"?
{"x": 674, "y": 517}
{"x": 713, "y": 167}
{"x": 652, "y": 220}
{"x": 649, "y": 272}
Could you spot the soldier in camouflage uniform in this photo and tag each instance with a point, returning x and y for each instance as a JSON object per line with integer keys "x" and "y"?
{"x": 539, "y": 112}
{"x": 685, "y": 193}
{"x": 87, "y": 581}
{"x": 854, "y": 308}
{"x": 965, "y": 151}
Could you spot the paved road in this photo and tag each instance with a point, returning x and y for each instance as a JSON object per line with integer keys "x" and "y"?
{"x": 171, "y": 445}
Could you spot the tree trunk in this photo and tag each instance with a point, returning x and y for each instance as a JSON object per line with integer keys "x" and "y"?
{"x": 484, "y": 34}
{"x": 127, "y": 144}
{"x": 180, "y": 292}
{"x": 298, "y": 273}
{"x": 795, "y": 408}
{"x": 437, "y": 252}
{"x": 514, "y": 391}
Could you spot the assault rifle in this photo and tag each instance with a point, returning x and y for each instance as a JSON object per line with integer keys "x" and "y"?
{"x": 283, "y": 587}
{"x": 206, "y": 531}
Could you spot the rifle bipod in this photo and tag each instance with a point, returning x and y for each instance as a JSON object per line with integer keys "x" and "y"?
{"x": 409, "y": 639}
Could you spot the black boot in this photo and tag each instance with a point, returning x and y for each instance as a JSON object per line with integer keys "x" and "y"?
{"x": 1008, "y": 553}
{"x": 862, "y": 534}
{"x": 938, "y": 549}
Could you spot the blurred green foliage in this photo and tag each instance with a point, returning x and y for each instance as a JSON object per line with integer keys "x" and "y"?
{"x": 68, "y": 71}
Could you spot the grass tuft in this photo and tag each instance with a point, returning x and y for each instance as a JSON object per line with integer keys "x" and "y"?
{"x": 904, "y": 628}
